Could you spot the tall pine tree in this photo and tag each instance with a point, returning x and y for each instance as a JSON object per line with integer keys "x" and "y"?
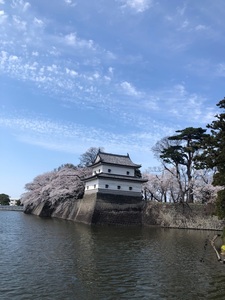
{"x": 186, "y": 147}
{"x": 214, "y": 155}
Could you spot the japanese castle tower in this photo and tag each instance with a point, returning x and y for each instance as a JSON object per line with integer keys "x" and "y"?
{"x": 114, "y": 174}
{"x": 112, "y": 193}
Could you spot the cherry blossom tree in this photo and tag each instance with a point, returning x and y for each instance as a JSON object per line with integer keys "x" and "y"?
{"x": 203, "y": 189}
{"x": 165, "y": 187}
{"x": 161, "y": 187}
{"x": 57, "y": 186}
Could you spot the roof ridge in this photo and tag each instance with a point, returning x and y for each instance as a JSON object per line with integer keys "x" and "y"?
{"x": 113, "y": 154}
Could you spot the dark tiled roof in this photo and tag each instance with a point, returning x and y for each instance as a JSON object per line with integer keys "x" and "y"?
{"x": 116, "y": 159}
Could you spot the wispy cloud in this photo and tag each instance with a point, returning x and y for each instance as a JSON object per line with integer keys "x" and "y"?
{"x": 38, "y": 56}
{"x": 66, "y": 137}
{"x": 220, "y": 69}
{"x": 79, "y": 71}
{"x": 3, "y": 17}
{"x": 178, "y": 102}
{"x": 129, "y": 89}
{"x": 137, "y": 6}
{"x": 181, "y": 9}
{"x": 201, "y": 27}
{"x": 120, "y": 74}
{"x": 21, "y": 5}
{"x": 70, "y": 3}
{"x": 72, "y": 40}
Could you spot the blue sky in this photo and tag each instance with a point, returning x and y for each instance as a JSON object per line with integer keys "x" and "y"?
{"x": 119, "y": 74}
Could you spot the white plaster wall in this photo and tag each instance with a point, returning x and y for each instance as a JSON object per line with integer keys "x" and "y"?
{"x": 124, "y": 186}
{"x": 118, "y": 170}
{"x": 98, "y": 169}
{"x": 91, "y": 185}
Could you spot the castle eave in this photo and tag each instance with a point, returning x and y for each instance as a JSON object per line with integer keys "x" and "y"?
{"x": 115, "y": 177}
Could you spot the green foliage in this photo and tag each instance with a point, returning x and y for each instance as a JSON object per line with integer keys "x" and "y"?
{"x": 214, "y": 155}
{"x": 214, "y": 144}
{"x": 185, "y": 153}
{"x": 191, "y": 142}
{"x": 4, "y": 199}
{"x": 173, "y": 155}
{"x": 223, "y": 236}
{"x": 137, "y": 173}
{"x": 186, "y": 147}
{"x": 220, "y": 204}
{"x": 18, "y": 202}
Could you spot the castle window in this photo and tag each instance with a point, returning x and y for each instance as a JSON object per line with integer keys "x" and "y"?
{"x": 109, "y": 170}
{"x": 87, "y": 187}
{"x": 130, "y": 188}
{"x": 99, "y": 171}
{"x": 118, "y": 187}
{"x": 94, "y": 186}
{"x": 128, "y": 173}
{"x": 106, "y": 186}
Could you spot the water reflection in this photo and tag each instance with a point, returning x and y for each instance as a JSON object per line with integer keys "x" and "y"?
{"x": 57, "y": 259}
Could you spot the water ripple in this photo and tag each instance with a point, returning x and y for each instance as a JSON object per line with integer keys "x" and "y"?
{"x": 57, "y": 259}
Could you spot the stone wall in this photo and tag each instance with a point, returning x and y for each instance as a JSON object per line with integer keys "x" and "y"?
{"x": 108, "y": 209}
{"x": 118, "y": 210}
{"x": 95, "y": 208}
{"x": 192, "y": 216}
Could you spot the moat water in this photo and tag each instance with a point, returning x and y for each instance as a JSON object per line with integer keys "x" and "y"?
{"x": 58, "y": 259}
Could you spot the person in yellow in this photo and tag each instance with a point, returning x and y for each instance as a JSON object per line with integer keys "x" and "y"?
{"x": 223, "y": 249}
{"x": 223, "y": 240}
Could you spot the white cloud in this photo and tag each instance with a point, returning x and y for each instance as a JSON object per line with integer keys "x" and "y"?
{"x": 3, "y": 16}
{"x": 54, "y": 51}
{"x": 200, "y": 27}
{"x": 71, "y": 72}
{"x": 67, "y": 136}
{"x": 38, "y": 22}
{"x": 72, "y": 40}
{"x": 53, "y": 68}
{"x": 185, "y": 24}
{"x": 129, "y": 89}
{"x": 111, "y": 70}
{"x": 64, "y": 66}
{"x": 70, "y": 3}
{"x": 20, "y": 4}
{"x": 96, "y": 75}
{"x": 138, "y": 6}
{"x": 220, "y": 70}
{"x": 35, "y": 53}
{"x": 13, "y": 58}
{"x": 4, "y": 57}
{"x": 181, "y": 10}
{"x": 94, "y": 89}
{"x": 26, "y": 6}
{"x": 2, "y": 2}
{"x": 19, "y": 23}
{"x": 184, "y": 106}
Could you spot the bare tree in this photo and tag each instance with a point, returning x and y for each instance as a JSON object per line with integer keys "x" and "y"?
{"x": 88, "y": 158}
